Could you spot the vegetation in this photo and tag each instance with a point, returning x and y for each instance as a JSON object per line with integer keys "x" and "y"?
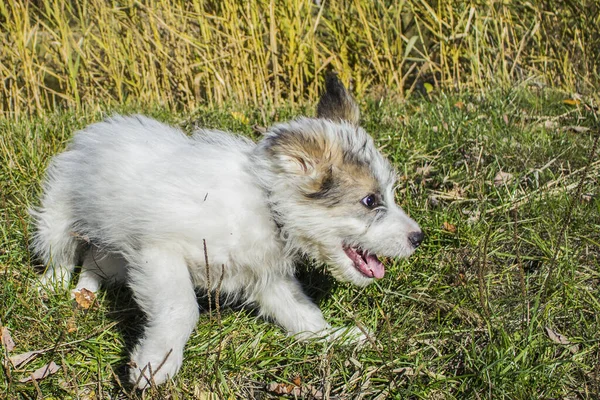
{"x": 487, "y": 110}
{"x": 264, "y": 53}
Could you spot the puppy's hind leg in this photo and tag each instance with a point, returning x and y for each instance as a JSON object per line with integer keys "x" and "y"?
{"x": 54, "y": 242}
{"x": 100, "y": 267}
{"x": 163, "y": 288}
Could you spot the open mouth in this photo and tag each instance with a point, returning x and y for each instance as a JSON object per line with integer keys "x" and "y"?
{"x": 366, "y": 263}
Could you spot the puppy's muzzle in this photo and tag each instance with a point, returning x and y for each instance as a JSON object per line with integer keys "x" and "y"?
{"x": 416, "y": 238}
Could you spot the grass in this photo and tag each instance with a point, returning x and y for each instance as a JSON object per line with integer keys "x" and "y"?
{"x": 502, "y": 300}
{"x": 474, "y": 313}
{"x": 265, "y": 53}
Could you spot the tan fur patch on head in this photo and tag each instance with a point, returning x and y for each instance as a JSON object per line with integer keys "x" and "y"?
{"x": 326, "y": 171}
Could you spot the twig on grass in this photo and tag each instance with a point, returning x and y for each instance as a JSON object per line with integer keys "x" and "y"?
{"x": 207, "y": 279}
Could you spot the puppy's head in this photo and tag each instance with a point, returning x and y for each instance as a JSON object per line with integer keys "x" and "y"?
{"x": 332, "y": 191}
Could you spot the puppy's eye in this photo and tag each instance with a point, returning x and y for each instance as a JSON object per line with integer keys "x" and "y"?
{"x": 370, "y": 201}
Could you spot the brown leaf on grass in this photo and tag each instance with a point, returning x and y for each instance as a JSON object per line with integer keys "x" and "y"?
{"x": 502, "y": 178}
{"x": 576, "y": 128}
{"x": 561, "y": 339}
{"x": 459, "y": 105}
{"x": 7, "y": 340}
{"x": 286, "y": 389}
{"x": 84, "y": 298}
{"x": 297, "y": 380}
{"x": 424, "y": 170}
{"x": 71, "y": 325}
{"x": 23, "y": 358}
{"x": 505, "y": 119}
{"x": 550, "y": 124}
{"x": 433, "y": 201}
{"x": 448, "y": 227}
{"x": 208, "y": 396}
{"x": 42, "y": 372}
{"x": 283, "y": 388}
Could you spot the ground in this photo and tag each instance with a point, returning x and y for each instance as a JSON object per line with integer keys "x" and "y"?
{"x": 501, "y": 300}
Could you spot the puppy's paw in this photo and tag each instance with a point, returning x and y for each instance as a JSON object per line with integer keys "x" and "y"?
{"x": 53, "y": 281}
{"x": 350, "y": 336}
{"x": 153, "y": 367}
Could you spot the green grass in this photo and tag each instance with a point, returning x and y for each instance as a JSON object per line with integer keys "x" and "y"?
{"x": 465, "y": 317}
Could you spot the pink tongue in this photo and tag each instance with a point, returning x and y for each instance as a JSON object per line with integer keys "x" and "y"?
{"x": 375, "y": 266}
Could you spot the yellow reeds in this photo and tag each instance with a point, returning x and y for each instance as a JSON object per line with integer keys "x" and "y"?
{"x": 182, "y": 53}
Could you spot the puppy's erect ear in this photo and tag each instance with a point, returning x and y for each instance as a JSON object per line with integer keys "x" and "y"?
{"x": 337, "y": 104}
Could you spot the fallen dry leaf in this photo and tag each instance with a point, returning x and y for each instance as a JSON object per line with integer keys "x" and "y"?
{"x": 576, "y": 129}
{"x": 474, "y": 217}
{"x": 561, "y": 339}
{"x": 85, "y": 298}
{"x": 448, "y": 227}
{"x": 42, "y": 372}
{"x": 459, "y": 105}
{"x": 505, "y": 119}
{"x": 433, "y": 201}
{"x": 572, "y": 102}
{"x": 307, "y": 391}
{"x": 297, "y": 380}
{"x": 206, "y": 395}
{"x": 502, "y": 178}
{"x": 425, "y": 170}
{"x": 23, "y": 358}
{"x": 7, "y": 340}
{"x": 283, "y": 388}
{"x": 71, "y": 325}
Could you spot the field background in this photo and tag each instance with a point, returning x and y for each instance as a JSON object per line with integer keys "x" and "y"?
{"x": 489, "y": 112}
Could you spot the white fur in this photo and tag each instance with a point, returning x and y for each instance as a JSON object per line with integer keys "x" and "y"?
{"x": 132, "y": 194}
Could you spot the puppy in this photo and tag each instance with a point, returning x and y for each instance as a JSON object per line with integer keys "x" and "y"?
{"x": 136, "y": 200}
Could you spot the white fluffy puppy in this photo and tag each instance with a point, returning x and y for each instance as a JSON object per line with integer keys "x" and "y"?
{"x": 134, "y": 199}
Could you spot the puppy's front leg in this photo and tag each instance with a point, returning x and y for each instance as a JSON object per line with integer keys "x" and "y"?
{"x": 284, "y": 301}
{"x": 162, "y": 286}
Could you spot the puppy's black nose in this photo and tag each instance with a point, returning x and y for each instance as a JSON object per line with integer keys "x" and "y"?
{"x": 416, "y": 238}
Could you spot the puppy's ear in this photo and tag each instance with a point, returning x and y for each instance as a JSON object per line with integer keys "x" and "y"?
{"x": 336, "y": 103}
{"x": 296, "y": 153}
